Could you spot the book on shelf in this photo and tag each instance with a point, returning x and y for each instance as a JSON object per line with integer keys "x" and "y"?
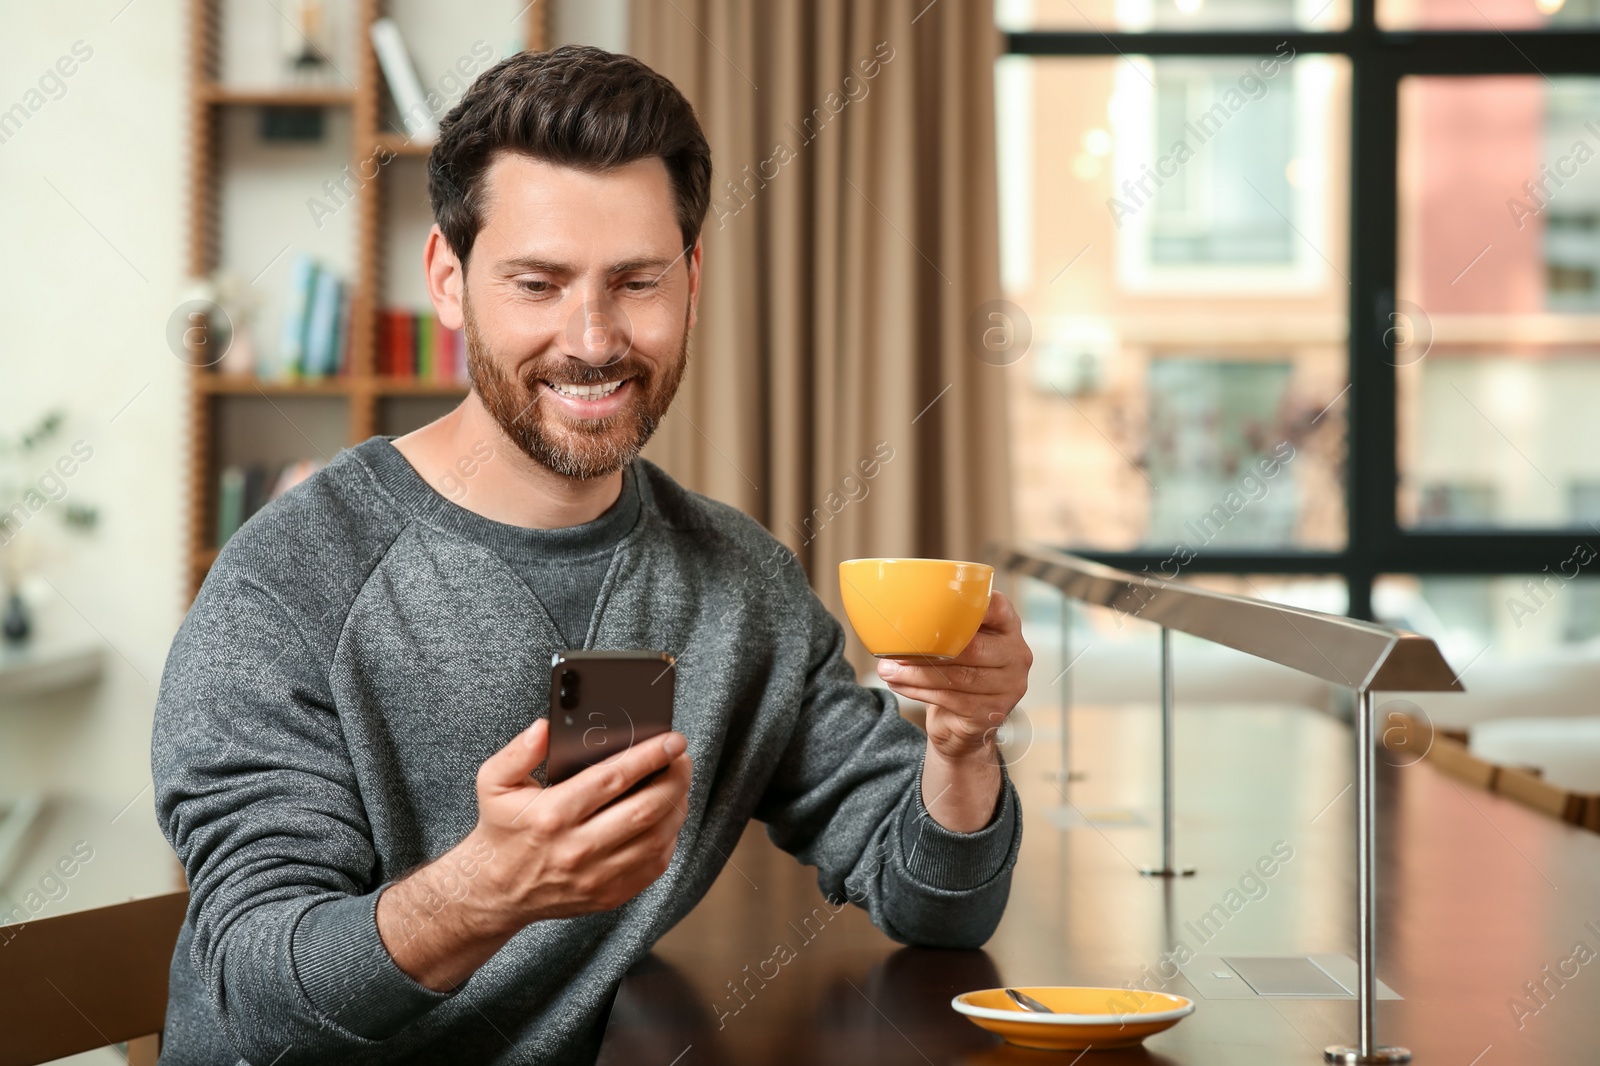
{"x": 322, "y": 326}
{"x": 425, "y": 334}
{"x": 313, "y": 341}
{"x": 404, "y": 86}
{"x": 296, "y": 315}
{"x": 414, "y": 345}
{"x": 230, "y": 503}
{"x": 243, "y": 489}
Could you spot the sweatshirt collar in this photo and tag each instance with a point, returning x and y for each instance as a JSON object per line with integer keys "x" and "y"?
{"x": 421, "y": 500}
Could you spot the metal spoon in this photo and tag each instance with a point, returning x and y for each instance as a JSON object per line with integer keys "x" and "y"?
{"x": 1027, "y": 1002}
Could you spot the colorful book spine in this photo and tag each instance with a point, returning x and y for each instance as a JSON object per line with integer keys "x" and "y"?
{"x": 383, "y": 359}
{"x": 341, "y": 343}
{"x": 230, "y": 503}
{"x": 296, "y": 318}
{"x": 404, "y": 86}
{"x": 444, "y": 352}
{"x": 322, "y": 327}
{"x": 244, "y": 490}
{"x": 424, "y": 341}
{"x": 414, "y": 344}
{"x": 405, "y": 346}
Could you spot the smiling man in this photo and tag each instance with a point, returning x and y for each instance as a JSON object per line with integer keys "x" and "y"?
{"x": 350, "y": 726}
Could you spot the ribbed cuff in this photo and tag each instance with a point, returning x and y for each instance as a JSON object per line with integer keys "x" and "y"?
{"x": 349, "y": 976}
{"x": 957, "y": 862}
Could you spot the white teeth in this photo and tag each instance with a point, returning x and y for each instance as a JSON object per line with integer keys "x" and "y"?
{"x": 586, "y": 392}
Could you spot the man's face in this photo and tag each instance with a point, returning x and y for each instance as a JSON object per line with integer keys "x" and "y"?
{"x": 577, "y": 308}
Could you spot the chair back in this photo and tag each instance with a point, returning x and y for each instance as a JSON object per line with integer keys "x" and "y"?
{"x": 87, "y": 980}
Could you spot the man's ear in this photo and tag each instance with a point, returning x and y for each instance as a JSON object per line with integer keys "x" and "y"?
{"x": 447, "y": 279}
{"x": 694, "y": 281}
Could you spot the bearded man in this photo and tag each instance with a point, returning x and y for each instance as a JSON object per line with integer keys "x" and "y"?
{"x": 352, "y": 717}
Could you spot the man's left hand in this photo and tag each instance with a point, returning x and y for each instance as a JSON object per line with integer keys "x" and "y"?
{"x": 969, "y": 696}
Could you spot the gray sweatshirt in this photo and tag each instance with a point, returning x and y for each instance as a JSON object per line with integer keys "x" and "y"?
{"x": 358, "y": 651}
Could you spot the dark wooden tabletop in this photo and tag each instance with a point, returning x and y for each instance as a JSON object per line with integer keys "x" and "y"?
{"x": 1477, "y": 897}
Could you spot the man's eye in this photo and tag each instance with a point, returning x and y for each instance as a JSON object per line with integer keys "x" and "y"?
{"x": 536, "y": 287}
{"x": 640, "y": 286}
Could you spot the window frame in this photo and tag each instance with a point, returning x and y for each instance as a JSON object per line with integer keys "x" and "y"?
{"x": 1375, "y": 543}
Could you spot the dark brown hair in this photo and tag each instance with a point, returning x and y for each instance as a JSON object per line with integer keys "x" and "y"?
{"x": 576, "y": 106}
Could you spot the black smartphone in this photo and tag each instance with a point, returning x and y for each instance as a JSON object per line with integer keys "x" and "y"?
{"x": 603, "y": 702}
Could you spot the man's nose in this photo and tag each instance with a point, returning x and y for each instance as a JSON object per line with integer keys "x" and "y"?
{"x": 598, "y": 331}
{"x": 595, "y": 332}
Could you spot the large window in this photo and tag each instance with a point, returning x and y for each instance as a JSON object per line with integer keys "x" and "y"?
{"x": 1314, "y": 289}
{"x": 1174, "y": 230}
{"x": 1175, "y": 15}
{"x": 1500, "y": 273}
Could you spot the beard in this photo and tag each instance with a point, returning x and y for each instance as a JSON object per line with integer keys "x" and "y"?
{"x": 579, "y": 449}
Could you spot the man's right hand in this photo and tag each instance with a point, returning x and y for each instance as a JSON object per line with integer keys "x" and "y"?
{"x": 537, "y": 853}
{"x": 557, "y": 852}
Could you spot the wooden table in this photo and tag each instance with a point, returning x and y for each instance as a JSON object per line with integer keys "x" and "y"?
{"x": 1477, "y": 896}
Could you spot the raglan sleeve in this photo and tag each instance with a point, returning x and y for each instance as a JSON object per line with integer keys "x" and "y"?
{"x": 846, "y": 797}
{"x": 256, "y": 792}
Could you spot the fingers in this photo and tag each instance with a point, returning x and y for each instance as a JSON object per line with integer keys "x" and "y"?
{"x": 953, "y": 676}
{"x": 509, "y": 767}
{"x": 989, "y": 648}
{"x": 650, "y": 852}
{"x": 986, "y": 666}
{"x": 630, "y": 869}
{"x": 992, "y": 709}
{"x": 663, "y": 804}
{"x": 631, "y": 843}
{"x": 1002, "y": 615}
{"x": 672, "y": 789}
{"x": 587, "y": 791}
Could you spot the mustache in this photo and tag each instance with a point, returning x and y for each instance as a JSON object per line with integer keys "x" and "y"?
{"x": 571, "y": 371}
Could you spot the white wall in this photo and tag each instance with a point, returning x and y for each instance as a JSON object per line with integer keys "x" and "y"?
{"x": 92, "y": 263}
{"x": 603, "y": 23}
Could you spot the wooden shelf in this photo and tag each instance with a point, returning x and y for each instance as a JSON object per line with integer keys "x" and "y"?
{"x": 415, "y": 387}
{"x": 39, "y": 668}
{"x": 402, "y": 145}
{"x": 240, "y": 96}
{"x": 361, "y": 388}
{"x": 239, "y": 385}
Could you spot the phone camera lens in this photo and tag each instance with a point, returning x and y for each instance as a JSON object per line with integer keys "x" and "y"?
{"x": 569, "y": 689}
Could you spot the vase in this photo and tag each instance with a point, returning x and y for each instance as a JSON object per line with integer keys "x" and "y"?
{"x": 18, "y": 623}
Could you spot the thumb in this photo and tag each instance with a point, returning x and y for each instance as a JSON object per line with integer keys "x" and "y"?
{"x": 509, "y": 767}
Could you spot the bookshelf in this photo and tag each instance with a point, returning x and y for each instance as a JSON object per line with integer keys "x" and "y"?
{"x": 238, "y": 418}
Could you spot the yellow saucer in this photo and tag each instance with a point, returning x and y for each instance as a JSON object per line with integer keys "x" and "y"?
{"x": 1084, "y": 1018}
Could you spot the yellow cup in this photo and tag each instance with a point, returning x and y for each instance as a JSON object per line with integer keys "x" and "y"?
{"x": 922, "y": 609}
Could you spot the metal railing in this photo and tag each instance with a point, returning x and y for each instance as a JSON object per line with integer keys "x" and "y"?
{"x": 1359, "y": 655}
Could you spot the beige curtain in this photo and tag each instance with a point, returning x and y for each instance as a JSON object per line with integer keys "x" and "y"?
{"x": 833, "y": 389}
